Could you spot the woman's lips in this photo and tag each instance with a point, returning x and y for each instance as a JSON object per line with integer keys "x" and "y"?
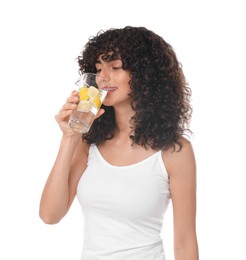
{"x": 109, "y": 89}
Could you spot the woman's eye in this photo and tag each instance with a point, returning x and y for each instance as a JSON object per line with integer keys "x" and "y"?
{"x": 98, "y": 70}
{"x": 116, "y": 68}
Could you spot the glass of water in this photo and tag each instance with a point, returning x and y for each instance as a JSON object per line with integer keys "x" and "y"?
{"x": 91, "y": 96}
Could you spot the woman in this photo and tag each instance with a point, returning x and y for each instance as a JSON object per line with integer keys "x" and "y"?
{"x": 134, "y": 158}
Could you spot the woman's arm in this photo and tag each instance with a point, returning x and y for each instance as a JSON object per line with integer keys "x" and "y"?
{"x": 181, "y": 168}
{"x": 60, "y": 188}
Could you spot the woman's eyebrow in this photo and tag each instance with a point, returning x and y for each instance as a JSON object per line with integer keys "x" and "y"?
{"x": 111, "y": 61}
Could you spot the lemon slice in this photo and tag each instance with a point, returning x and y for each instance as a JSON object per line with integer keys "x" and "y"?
{"x": 96, "y": 102}
{"x": 83, "y": 93}
{"x": 84, "y": 106}
{"x": 92, "y": 92}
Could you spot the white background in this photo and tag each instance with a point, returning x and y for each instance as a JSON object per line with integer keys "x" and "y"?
{"x": 40, "y": 41}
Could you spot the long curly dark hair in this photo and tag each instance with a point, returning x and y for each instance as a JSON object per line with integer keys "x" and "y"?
{"x": 160, "y": 94}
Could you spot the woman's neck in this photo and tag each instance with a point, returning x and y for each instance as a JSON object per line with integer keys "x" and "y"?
{"x": 123, "y": 120}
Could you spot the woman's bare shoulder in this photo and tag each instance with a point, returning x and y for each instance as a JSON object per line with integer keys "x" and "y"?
{"x": 178, "y": 159}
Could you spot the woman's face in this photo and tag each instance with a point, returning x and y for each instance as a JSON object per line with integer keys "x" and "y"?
{"x": 116, "y": 82}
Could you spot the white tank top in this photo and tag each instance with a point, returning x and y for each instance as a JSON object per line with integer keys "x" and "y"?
{"x": 123, "y": 208}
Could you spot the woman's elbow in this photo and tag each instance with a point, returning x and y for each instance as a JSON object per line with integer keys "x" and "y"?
{"x": 49, "y": 219}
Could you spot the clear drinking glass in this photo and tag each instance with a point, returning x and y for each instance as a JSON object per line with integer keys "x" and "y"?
{"x": 91, "y": 97}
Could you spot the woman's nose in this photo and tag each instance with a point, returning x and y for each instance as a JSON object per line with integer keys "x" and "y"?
{"x": 105, "y": 75}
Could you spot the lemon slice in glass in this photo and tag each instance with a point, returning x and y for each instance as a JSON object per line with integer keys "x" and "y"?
{"x": 84, "y": 106}
{"x": 92, "y": 92}
{"x": 83, "y": 93}
{"x": 96, "y": 102}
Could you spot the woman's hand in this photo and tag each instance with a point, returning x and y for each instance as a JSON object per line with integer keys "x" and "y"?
{"x": 63, "y": 115}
